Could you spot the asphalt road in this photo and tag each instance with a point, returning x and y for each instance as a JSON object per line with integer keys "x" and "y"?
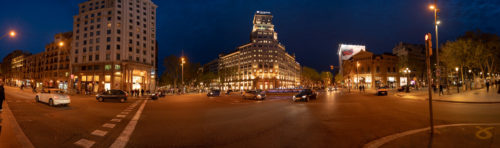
{"x": 332, "y": 120}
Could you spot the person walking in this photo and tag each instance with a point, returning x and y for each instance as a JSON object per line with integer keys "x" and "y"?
{"x": 2, "y": 95}
{"x": 441, "y": 90}
{"x": 487, "y": 86}
{"x": 142, "y": 92}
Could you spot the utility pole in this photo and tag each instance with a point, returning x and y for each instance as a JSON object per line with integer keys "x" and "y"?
{"x": 428, "y": 52}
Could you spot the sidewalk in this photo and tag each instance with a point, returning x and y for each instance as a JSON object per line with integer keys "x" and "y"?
{"x": 11, "y": 134}
{"x": 471, "y": 96}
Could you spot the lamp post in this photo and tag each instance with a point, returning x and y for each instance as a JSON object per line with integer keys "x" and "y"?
{"x": 357, "y": 74}
{"x": 458, "y": 89}
{"x": 183, "y": 61}
{"x": 407, "y": 71}
{"x": 436, "y": 23}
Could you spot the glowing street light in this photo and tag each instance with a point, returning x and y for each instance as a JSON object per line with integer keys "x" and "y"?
{"x": 436, "y": 24}
{"x": 61, "y": 44}
{"x": 183, "y": 61}
{"x": 12, "y": 33}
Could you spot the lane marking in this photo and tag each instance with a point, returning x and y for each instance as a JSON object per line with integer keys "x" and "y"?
{"x": 120, "y": 116}
{"x": 116, "y": 120}
{"x": 483, "y": 133}
{"x": 125, "y": 113}
{"x": 99, "y": 133}
{"x": 109, "y": 125}
{"x": 124, "y": 137}
{"x": 381, "y": 141}
{"x": 85, "y": 143}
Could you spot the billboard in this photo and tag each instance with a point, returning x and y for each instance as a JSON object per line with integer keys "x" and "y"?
{"x": 347, "y": 51}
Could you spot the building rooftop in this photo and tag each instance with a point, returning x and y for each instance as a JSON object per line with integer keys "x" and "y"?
{"x": 263, "y": 12}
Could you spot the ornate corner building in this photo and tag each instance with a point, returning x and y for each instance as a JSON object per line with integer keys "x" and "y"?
{"x": 114, "y": 46}
{"x": 370, "y": 70}
{"x": 261, "y": 64}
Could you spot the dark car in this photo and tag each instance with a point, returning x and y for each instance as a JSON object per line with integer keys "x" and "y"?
{"x": 213, "y": 93}
{"x": 382, "y": 90}
{"x": 305, "y": 95}
{"x": 112, "y": 94}
{"x": 254, "y": 94}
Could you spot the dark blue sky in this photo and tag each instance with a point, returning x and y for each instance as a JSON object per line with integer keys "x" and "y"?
{"x": 312, "y": 29}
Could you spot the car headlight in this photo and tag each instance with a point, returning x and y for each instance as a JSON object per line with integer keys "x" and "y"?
{"x": 304, "y": 96}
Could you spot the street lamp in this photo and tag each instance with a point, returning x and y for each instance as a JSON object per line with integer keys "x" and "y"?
{"x": 436, "y": 23}
{"x": 12, "y": 33}
{"x": 357, "y": 73}
{"x": 407, "y": 71}
{"x": 61, "y": 44}
{"x": 183, "y": 61}
{"x": 458, "y": 89}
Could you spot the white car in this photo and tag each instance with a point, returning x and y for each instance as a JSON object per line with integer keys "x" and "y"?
{"x": 53, "y": 97}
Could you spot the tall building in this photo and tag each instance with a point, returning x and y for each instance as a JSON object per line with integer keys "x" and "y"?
{"x": 114, "y": 45}
{"x": 13, "y": 67}
{"x": 261, "y": 64}
{"x": 412, "y": 56}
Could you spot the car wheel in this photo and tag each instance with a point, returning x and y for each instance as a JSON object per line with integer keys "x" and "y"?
{"x": 100, "y": 99}
{"x": 37, "y": 99}
{"x": 122, "y": 100}
{"x": 51, "y": 102}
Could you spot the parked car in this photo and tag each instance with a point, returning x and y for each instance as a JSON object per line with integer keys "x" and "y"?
{"x": 254, "y": 94}
{"x": 112, "y": 94}
{"x": 213, "y": 93}
{"x": 305, "y": 95}
{"x": 53, "y": 97}
{"x": 382, "y": 90}
{"x": 154, "y": 96}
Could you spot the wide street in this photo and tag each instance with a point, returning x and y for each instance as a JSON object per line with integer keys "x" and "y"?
{"x": 333, "y": 120}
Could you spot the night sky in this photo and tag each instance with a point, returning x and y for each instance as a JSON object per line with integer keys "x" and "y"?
{"x": 312, "y": 29}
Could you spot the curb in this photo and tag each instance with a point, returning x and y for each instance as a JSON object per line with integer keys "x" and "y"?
{"x": 19, "y": 134}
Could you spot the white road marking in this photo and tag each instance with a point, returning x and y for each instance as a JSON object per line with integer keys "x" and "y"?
{"x": 109, "y": 125}
{"x": 116, "y": 120}
{"x": 124, "y": 137}
{"x": 120, "y": 116}
{"x": 84, "y": 143}
{"x": 379, "y": 142}
{"x": 125, "y": 113}
{"x": 99, "y": 133}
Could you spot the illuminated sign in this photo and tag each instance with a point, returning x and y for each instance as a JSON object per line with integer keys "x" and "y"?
{"x": 347, "y": 51}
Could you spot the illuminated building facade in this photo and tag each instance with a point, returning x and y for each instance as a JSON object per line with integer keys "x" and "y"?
{"x": 114, "y": 46}
{"x": 261, "y": 64}
{"x": 13, "y": 67}
{"x": 370, "y": 70}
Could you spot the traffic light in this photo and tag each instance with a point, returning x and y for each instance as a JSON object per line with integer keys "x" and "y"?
{"x": 428, "y": 43}
{"x": 331, "y": 67}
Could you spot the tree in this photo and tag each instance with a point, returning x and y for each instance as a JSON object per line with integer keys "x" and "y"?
{"x": 207, "y": 78}
{"x": 474, "y": 50}
{"x": 310, "y": 76}
{"x": 339, "y": 78}
{"x": 172, "y": 73}
{"x": 326, "y": 77}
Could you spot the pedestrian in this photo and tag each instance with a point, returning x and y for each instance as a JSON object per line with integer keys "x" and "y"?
{"x": 441, "y": 90}
{"x": 487, "y": 86}
{"x": 2, "y": 95}
{"x": 142, "y": 92}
